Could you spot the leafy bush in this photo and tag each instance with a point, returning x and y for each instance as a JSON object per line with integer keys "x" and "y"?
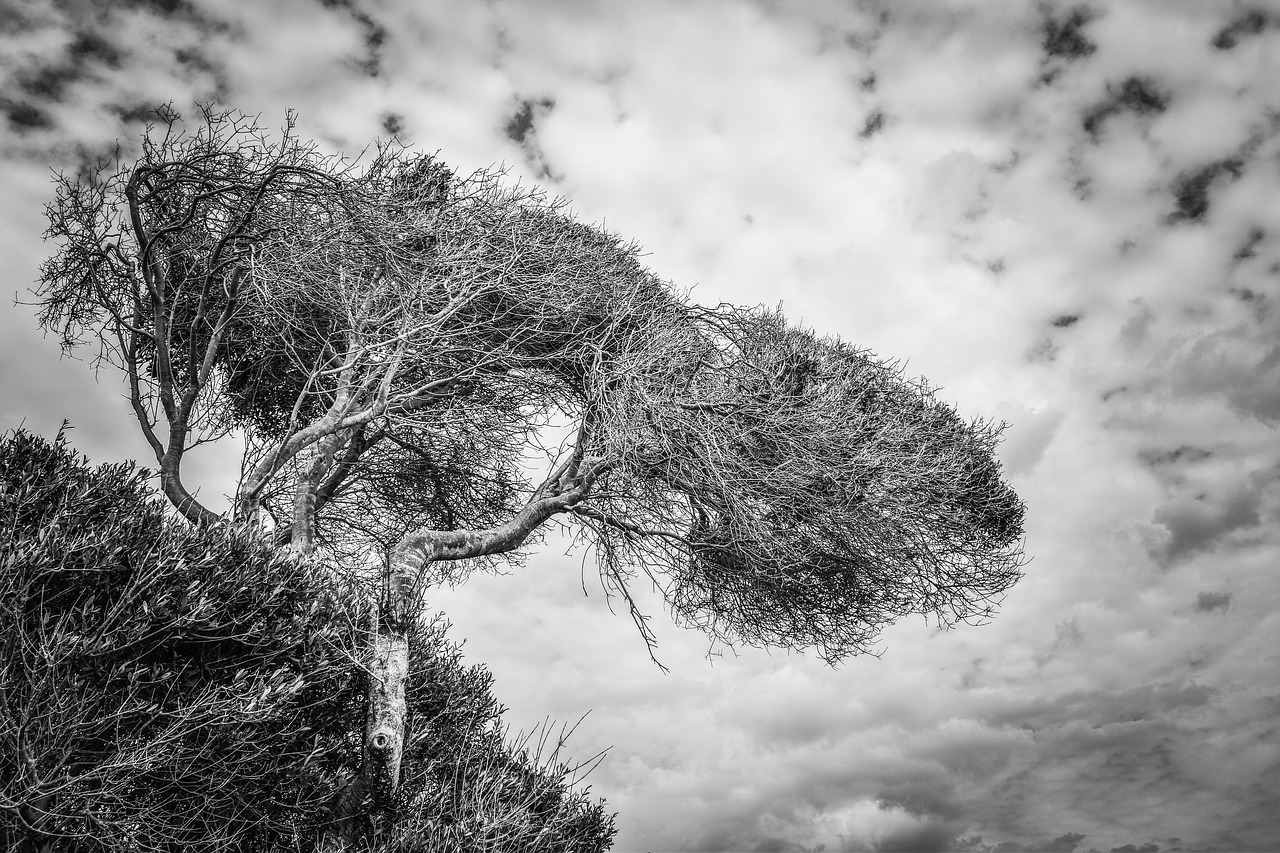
{"x": 168, "y": 688}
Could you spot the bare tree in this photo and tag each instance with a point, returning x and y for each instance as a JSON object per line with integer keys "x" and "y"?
{"x": 400, "y": 346}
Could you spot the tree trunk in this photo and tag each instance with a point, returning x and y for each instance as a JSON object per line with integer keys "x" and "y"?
{"x": 371, "y": 791}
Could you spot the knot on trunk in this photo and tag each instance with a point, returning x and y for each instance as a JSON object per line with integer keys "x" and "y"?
{"x": 383, "y": 741}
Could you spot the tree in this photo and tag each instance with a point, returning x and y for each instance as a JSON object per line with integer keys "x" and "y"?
{"x": 170, "y": 688}
{"x": 400, "y": 346}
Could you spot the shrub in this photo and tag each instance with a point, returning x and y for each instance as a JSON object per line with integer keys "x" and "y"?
{"x": 172, "y": 688}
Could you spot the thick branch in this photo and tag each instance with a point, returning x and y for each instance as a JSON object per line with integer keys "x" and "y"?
{"x": 304, "y": 503}
{"x": 421, "y": 547}
{"x": 184, "y": 501}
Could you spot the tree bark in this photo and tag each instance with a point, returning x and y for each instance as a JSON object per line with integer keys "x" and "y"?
{"x": 374, "y": 787}
{"x": 384, "y": 734}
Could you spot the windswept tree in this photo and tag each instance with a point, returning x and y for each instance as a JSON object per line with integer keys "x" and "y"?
{"x": 428, "y": 369}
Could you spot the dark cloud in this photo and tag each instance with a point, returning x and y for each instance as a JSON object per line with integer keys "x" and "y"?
{"x": 1249, "y": 246}
{"x": 24, "y": 116}
{"x": 393, "y": 124}
{"x": 90, "y": 46}
{"x": 1095, "y": 752}
{"x": 1196, "y": 523}
{"x": 47, "y": 78}
{"x": 927, "y": 838}
{"x": 1140, "y": 95}
{"x": 1191, "y": 189}
{"x": 521, "y": 128}
{"x": 1207, "y": 602}
{"x": 873, "y": 125}
{"x": 1065, "y": 321}
{"x": 1178, "y": 456}
{"x": 926, "y": 795}
{"x": 21, "y": 17}
{"x": 1062, "y": 36}
{"x": 1082, "y": 186}
{"x": 1240, "y": 365}
{"x": 1101, "y": 708}
{"x": 97, "y": 80}
{"x": 1150, "y": 847}
{"x": 1065, "y": 843}
{"x": 167, "y": 7}
{"x": 195, "y": 64}
{"x": 1250, "y": 22}
{"x": 373, "y": 33}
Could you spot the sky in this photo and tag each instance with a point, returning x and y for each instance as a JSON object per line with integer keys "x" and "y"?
{"x": 1067, "y": 216}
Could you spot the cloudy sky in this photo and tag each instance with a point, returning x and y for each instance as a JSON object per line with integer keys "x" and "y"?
{"x": 1068, "y": 216}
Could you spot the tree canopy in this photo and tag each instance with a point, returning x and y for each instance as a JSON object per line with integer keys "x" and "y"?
{"x": 402, "y": 347}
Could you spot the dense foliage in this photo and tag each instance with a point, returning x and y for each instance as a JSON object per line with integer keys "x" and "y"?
{"x": 403, "y": 345}
{"x": 172, "y": 688}
{"x": 820, "y": 493}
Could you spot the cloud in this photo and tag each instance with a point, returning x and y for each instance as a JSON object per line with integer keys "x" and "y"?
{"x": 75, "y": 83}
{"x": 1139, "y": 96}
{"x": 1096, "y": 710}
{"x": 1197, "y": 523}
{"x": 1207, "y": 602}
{"x": 1236, "y": 364}
{"x": 926, "y": 838}
{"x": 1027, "y": 437}
{"x": 1249, "y": 22}
{"x": 1064, "y": 32}
{"x": 1065, "y": 843}
{"x": 373, "y": 32}
{"x": 521, "y": 130}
